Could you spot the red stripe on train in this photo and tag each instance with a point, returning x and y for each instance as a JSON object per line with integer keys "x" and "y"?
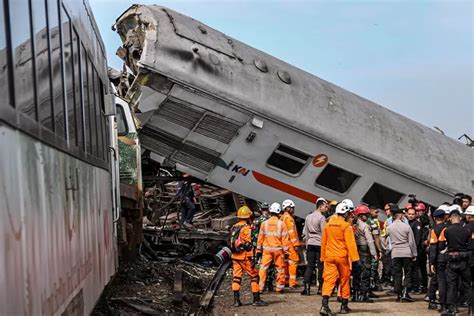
{"x": 276, "y": 184}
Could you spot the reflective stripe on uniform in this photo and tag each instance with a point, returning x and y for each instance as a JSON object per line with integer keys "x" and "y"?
{"x": 291, "y": 231}
{"x": 264, "y": 268}
{"x": 291, "y": 262}
{"x": 259, "y": 247}
{"x": 272, "y": 248}
{"x": 294, "y": 240}
{"x": 272, "y": 234}
{"x": 292, "y": 276}
{"x": 280, "y": 286}
{"x": 286, "y": 248}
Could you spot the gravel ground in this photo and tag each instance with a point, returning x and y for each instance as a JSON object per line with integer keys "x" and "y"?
{"x": 292, "y": 303}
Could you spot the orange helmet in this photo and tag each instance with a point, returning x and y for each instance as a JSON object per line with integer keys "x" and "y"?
{"x": 244, "y": 212}
{"x": 361, "y": 209}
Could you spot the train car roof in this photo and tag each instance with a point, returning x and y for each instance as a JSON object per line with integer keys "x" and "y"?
{"x": 175, "y": 45}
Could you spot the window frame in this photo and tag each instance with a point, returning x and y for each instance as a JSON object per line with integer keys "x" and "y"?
{"x": 386, "y": 187}
{"x": 358, "y": 177}
{"x": 289, "y": 156}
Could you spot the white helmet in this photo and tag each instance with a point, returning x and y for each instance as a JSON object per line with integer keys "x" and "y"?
{"x": 469, "y": 210}
{"x": 287, "y": 203}
{"x": 343, "y": 208}
{"x": 275, "y": 208}
{"x": 444, "y": 207}
{"x": 349, "y": 203}
{"x": 455, "y": 207}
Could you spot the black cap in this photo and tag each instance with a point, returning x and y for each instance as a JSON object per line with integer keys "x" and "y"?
{"x": 439, "y": 213}
{"x": 455, "y": 212}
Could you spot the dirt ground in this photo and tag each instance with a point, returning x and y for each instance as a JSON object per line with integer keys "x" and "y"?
{"x": 292, "y": 303}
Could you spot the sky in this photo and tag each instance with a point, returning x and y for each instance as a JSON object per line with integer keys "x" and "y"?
{"x": 415, "y": 58}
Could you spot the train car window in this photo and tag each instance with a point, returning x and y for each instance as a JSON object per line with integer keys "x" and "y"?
{"x": 56, "y": 66}
{"x": 288, "y": 159}
{"x": 69, "y": 76}
{"x": 336, "y": 179}
{"x": 85, "y": 95}
{"x": 76, "y": 46}
{"x": 122, "y": 129}
{"x": 379, "y": 195}
{"x": 22, "y": 57}
{"x": 4, "y": 74}
{"x": 43, "y": 74}
{"x": 92, "y": 105}
{"x": 100, "y": 144}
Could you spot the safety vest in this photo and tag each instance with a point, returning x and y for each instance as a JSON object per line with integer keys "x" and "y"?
{"x": 273, "y": 235}
{"x": 291, "y": 226}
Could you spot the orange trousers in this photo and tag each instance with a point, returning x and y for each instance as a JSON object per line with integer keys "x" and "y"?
{"x": 238, "y": 267}
{"x": 337, "y": 268}
{"x": 291, "y": 266}
{"x": 267, "y": 257}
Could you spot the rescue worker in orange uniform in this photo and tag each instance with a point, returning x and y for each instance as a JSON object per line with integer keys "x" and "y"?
{"x": 242, "y": 256}
{"x": 272, "y": 245}
{"x": 338, "y": 250}
{"x": 291, "y": 264}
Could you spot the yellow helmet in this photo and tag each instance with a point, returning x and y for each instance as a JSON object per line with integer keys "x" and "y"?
{"x": 332, "y": 202}
{"x": 244, "y": 212}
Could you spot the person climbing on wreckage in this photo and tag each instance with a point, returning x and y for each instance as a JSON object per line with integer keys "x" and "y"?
{"x": 242, "y": 257}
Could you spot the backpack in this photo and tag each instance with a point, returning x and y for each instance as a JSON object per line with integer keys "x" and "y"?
{"x": 235, "y": 240}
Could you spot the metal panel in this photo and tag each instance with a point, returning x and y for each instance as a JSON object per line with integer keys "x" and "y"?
{"x": 217, "y": 128}
{"x": 57, "y": 233}
{"x": 179, "y": 113}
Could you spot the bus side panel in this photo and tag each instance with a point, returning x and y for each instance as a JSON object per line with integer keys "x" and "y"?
{"x": 57, "y": 250}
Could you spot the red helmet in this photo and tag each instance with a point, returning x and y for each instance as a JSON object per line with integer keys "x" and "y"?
{"x": 361, "y": 209}
{"x": 420, "y": 207}
{"x": 408, "y": 206}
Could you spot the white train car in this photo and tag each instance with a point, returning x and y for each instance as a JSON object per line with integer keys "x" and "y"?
{"x": 57, "y": 197}
{"x": 246, "y": 121}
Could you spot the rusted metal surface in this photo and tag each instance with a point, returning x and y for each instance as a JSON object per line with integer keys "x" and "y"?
{"x": 57, "y": 231}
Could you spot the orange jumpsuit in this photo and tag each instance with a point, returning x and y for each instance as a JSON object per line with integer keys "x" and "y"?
{"x": 242, "y": 261}
{"x": 273, "y": 242}
{"x": 291, "y": 265}
{"x": 338, "y": 250}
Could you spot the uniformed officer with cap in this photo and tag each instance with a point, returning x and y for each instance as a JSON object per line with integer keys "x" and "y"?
{"x": 457, "y": 242}
{"x": 401, "y": 235}
{"x": 438, "y": 261}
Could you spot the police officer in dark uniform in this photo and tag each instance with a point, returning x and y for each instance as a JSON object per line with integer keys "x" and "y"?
{"x": 438, "y": 261}
{"x": 417, "y": 229}
{"x": 470, "y": 225}
{"x": 457, "y": 242}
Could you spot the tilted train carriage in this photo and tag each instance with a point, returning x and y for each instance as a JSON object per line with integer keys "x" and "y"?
{"x": 244, "y": 120}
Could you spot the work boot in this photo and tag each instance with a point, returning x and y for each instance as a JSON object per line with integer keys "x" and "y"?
{"x": 325, "y": 310}
{"x": 270, "y": 287}
{"x": 365, "y": 298}
{"x": 399, "y": 297}
{"x": 344, "y": 307}
{"x": 432, "y": 305}
{"x": 257, "y": 301}
{"x": 441, "y": 308}
{"x": 307, "y": 289}
{"x": 237, "y": 301}
{"x": 406, "y": 297}
{"x": 449, "y": 311}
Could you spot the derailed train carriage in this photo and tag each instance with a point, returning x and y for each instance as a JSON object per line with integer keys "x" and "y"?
{"x": 246, "y": 121}
{"x": 59, "y": 175}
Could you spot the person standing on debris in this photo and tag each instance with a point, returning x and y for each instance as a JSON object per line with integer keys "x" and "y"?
{"x": 257, "y": 223}
{"x": 291, "y": 264}
{"x": 313, "y": 232}
{"x": 438, "y": 261}
{"x": 458, "y": 238}
{"x": 338, "y": 250}
{"x": 242, "y": 257}
{"x": 367, "y": 251}
{"x": 186, "y": 194}
{"x": 272, "y": 244}
{"x": 403, "y": 254}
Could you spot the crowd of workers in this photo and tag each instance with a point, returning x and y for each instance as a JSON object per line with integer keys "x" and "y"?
{"x": 421, "y": 252}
